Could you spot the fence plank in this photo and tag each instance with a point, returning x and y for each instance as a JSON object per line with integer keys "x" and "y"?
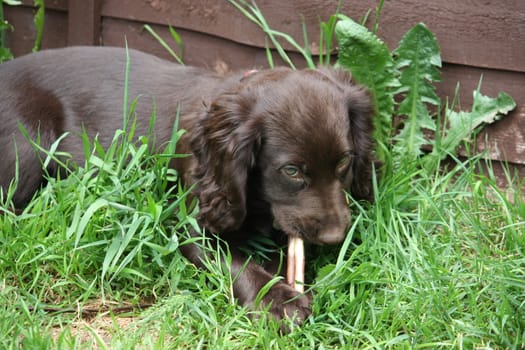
{"x": 84, "y": 22}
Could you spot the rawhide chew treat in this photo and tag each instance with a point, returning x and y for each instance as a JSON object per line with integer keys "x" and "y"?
{"x": 295, "y": 266}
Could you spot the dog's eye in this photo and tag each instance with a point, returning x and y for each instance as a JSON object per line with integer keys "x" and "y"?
{"x": 343, "y": 164}
{"x": 292, "y": 172}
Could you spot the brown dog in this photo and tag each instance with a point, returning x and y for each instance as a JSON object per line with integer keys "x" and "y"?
{"x": 272, "y": 151}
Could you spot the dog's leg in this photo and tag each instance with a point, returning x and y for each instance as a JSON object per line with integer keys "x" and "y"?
{"x": 249, "y": 278}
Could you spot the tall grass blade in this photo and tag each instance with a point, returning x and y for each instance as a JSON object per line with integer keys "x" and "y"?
{"x": 165, "y": 45}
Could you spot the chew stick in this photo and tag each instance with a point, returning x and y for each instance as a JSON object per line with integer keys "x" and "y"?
{"x": 295, "y": 266}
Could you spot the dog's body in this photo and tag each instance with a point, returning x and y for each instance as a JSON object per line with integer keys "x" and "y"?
{"x": 273, "y": 150}
{"x": 55, "y": 91}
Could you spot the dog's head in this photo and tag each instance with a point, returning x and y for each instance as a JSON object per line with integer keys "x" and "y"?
{"x": 306, "y": 135}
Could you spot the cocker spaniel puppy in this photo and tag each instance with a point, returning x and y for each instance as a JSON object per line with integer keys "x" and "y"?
{"x": 271, "y": 151}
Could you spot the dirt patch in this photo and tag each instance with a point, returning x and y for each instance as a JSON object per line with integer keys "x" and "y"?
{"x": 97, "y": 322}
{"x": 97, "y": 330}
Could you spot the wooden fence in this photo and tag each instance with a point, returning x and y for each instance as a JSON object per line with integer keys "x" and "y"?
{"x": 477, "y": 38}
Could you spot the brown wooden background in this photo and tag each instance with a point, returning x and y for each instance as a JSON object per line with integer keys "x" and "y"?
{"x": 476, "y": 38}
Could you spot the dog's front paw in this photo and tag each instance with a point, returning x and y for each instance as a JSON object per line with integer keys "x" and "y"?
{"x": 286, "y": 302}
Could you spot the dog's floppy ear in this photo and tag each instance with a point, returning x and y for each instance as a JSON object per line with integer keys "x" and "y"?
{"x": 360, "y": 113}
{"x": 224, "y": 144}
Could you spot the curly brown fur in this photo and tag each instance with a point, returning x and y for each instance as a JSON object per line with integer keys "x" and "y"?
{"x": 274, "y": 151}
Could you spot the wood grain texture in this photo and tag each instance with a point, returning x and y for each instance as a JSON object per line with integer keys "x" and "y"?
{"x": 84, "y": 22}
{"x": 465, "y": 29}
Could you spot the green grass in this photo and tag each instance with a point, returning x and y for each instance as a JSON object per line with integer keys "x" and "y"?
{"x": 437, "y": 261}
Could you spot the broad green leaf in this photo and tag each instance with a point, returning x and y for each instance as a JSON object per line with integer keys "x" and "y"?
{"x": 418, "y": 60}
{"x": 461, "y": 125}
{"x": 485, "y": 110}
{"x": 371, "y": 64}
